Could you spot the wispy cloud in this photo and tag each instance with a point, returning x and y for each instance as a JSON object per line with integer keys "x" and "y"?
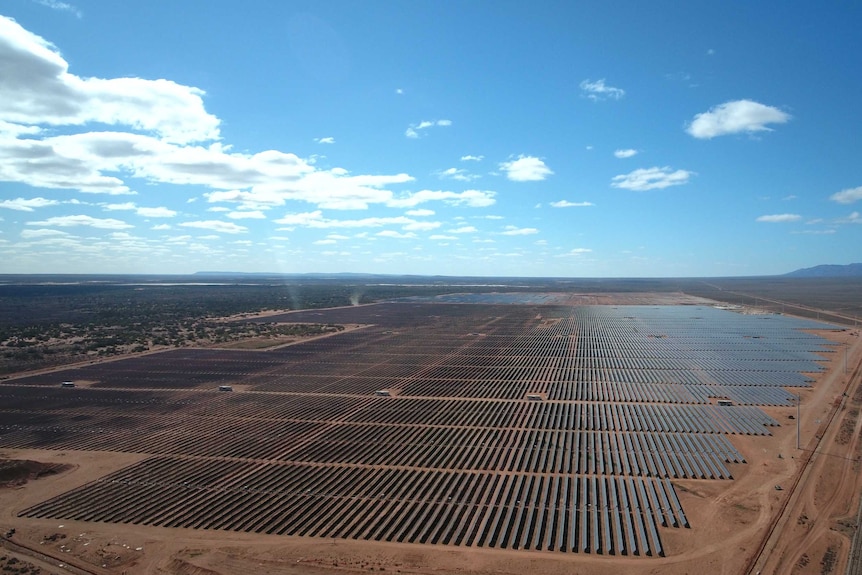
{"x": 414, "y": 130}
{"x": 575, "y": 252}
{"x": 458, "y": 174}
{"x": 654, "y": 178}
{"x": 625, "y": 153}
{"x": 526, "y": 169}
{"x": 568, "y": 204}
{"x": 598, "y": 90}
{"x": 469, "y": 158}
{"x": 739, "y": 116}
{"x": 326, "y": 140}
{"x": 779, "y": 218}
{"x": 27, "y": 205}
{"x": 464, "y": 230}
{"x": 157, "y": 212}
{"x": 82, "y": 220}
{"x": 60, "y": 6}
{"x": 216, "y": 226}
{"x": 516, "y": 231}
{"x": 847, "y": 196}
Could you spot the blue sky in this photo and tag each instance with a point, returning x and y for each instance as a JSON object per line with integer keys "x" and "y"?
{"x": 585, "y": 139}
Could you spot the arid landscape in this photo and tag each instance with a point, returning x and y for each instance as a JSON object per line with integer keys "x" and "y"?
{"x": 542, "y": 432}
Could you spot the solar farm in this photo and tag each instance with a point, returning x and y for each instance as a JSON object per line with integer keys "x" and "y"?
{"x": 512, "y": 426}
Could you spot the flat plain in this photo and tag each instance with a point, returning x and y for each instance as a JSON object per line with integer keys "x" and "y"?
{"x": 483, "y": 433}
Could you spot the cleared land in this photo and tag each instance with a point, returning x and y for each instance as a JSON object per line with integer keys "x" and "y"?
{"x": 549, "y": 437}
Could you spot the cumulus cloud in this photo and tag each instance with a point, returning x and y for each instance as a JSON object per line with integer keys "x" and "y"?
{"x": 568, "y": 204}
{"x": 516, "y": 231}
{"x": 37, "y": 89}
{"x": 654, "y": 178}
{"x": 739, "y": 116}
{"x": 779, "y": 218}
{"x": 27, "y": 205}
{"x": 469, "y": 198}
{"x": 420, "y": 213}
{"x": 82, "y": 220}
{"x": 847, "y": 196}
{"x": 598, "y": 90}
{"x": 316, "y": 220}
{"x": 575, "y": 252}
{"x": 247, "y": 215}
{"x": 42, "y": 233}
{"x": 457, "y": 174}
{"x": 414, "y": 130}
{"x": 526, "y": 169}
{"x": 159, "y": 132}
{"x": 464, "y": 230}
{"x": 216, "y": 226}
{"x": 625, "y": 153}
{"x": 395, "y": 234}
{"x": 158, "y": 212}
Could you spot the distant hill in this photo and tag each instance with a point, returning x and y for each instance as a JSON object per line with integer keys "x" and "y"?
{"x": 828, "y": 271}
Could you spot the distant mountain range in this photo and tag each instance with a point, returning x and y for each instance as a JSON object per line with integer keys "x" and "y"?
{"x": 828, "y": 271}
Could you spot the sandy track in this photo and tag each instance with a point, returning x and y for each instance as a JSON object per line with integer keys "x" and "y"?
{"x": 808, "y": 537}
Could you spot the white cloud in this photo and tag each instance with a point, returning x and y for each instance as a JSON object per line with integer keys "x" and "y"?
{"x": 464, "y": 230}
{"x": 413, "y": 131}
{"x": 516, "y": 231}
{"x": 247, "y": 215}
{"x": 216, "y": 226}
{"x": 159, "y": 126}
{"x": 160, "y": 227}
{"x": 654, "y": 178}
{"x": 323, "y": 242}
{"x": 399, "y": 91}
{"x": 598, "y": 90}
{"x": 396, "y": 235}
{"x": 575, "y": 252}
{"x": 60, "y": 6}
{"x": 420, "y": 213}
{"x": 847, "y": 196}
{"x": 37, "y": 89}
{"x": 568, "y": 204}
{"x": 27, "y": 205}
{"x": 526, "y": 169}
{"x": 469, "y": 158}
{"x": 316, "y": 220}
{"x": 158, "y": 212}
{"x": 42, "y": 233}
{"x": 736, "y": 117}
{"x": 625, "y": 153}
{"x": 422, "y": 226}
{"x": 441, "y": 237}
{"x": 457, "y": 174}
{"x": 327, "y": 140}
{"x": 853, "y": 218}
{"x": 779, "y": 218}
{"x": 82, "y": 220}
{"x": 469, "y": 198}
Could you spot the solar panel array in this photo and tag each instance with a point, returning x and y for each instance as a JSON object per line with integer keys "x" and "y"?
{"x": 511, "y": 426}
